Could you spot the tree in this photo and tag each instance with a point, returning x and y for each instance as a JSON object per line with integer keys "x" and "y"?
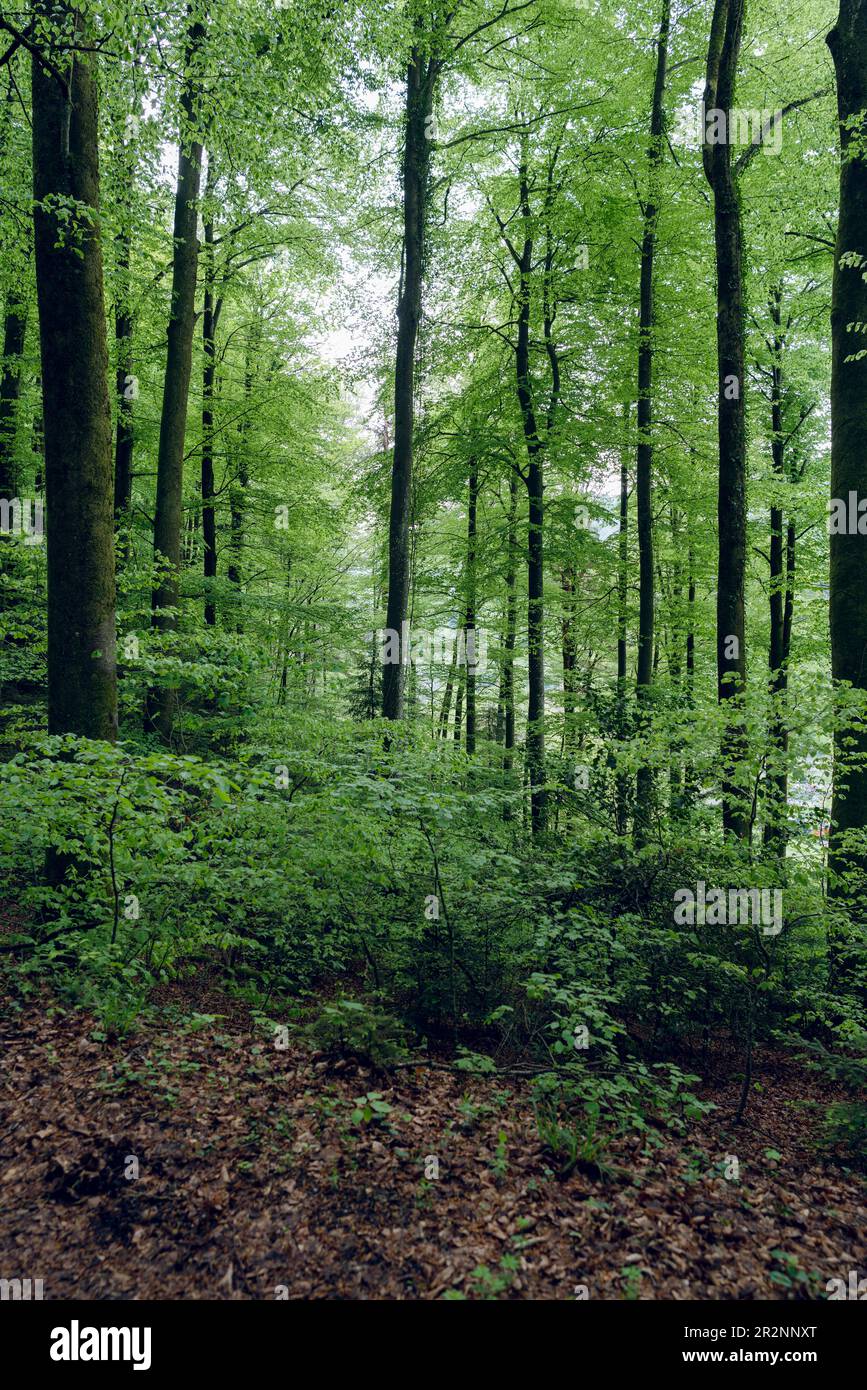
{"x": 722, "y": 65}
{"x": 421, "y": 77}
{"x": 173, "y": 420}
{"x": 848, "y": 601}
{"x": 644, "y": 462}
{"x": 82, "y": 688}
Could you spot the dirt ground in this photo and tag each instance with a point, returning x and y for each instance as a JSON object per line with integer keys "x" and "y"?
{"x": 193, "y": 1162}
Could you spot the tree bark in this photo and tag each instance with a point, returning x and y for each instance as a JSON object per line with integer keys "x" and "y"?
{"x": 14, "y": 327}
{"x": 238, "y": 489}
{"x": 782, "y": 558}
{"x": 470, "y": 647}
{"x": 622, "y": 781}
{"x": 644, "y": 458}
{"x": 848, "y": 597}
{"x": 176, "y": 389}
{"x": 420, "y": 84}
{"x": 210, "y": 315}
{"x": 124, "y": 380}
{"x": 723, "y": 53}
{"x": 460, "y": 679}
{"x": 443, "y": 727}
{"x": 535, "y": 742}
{"x": 569, "y": 644}
{"x": 82, "y": 687}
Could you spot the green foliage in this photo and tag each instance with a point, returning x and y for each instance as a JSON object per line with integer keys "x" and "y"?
{"x": 370, "y": 1109}
{"x": 351, "y": 1027}
{"x": 845, "y": 1120}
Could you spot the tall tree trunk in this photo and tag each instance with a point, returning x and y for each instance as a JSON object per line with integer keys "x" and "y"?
{"x": 689, "y": 779}
{"x": 535, "y": 742}
{"x": 447, "y": 695}
{"x": 722, "y": 63}
{"x": 14, "y": 327}
{"x": 470, "y": 645}
{"x": 238, "y": 489}
{"x": 508, "y": 674}
{"x": 848, "y": 596}
{"x": 644, "y": 459}
{"x": 782, "y": 557}
{"x": 14, "y": 330}
{"x": 210, "y": 315}
{"x": 569, "y": 642}
{"x": 82, "y": 687}
{"x": 37, "y": 439}
{"x": 125, "y": 385}
{"x": 675, "y": 663}
{"x": 176, "y": 389}
{"x": 622, "y": 782}
{"x": 460, "y": 679}
{"x": 420, "y": 83}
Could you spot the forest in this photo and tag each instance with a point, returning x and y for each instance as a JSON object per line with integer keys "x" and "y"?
{"x": 433, "y": 621}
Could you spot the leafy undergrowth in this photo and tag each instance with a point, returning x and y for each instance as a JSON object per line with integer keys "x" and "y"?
{"x": 267, "y": 1173}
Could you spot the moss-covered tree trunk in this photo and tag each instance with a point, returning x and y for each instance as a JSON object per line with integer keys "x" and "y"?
{"x": 125, "y": 383}
{"x": 848, "y": 589}
{"x": 210, "y": 316}
{"x": 82, "y": 688}
{"x": 621, "y": 811}
{"x": 14, "y": 326}
{"x": 471, "y": 643}
{"x": 722, "y": 64}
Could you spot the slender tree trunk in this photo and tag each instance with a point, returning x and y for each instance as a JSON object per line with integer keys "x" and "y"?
{"x": 622, "y": 783}
{"x": 460, "y": 679}
{"x": 470, "y": 645}
{"x": 689, "y": 779}
{"x": 238, "y": 490}
{"x": 690, "y": 632}
{"x": 782, "y": 559}
{"x": 37, "y": 439}
{"x": 675, "y": 664}
{"x": 125, "y": 384}
{"x": 420, "y": 84}
{"x": 82, "y": 688}
{"x": 176, "y": 389}
{"x": 447, "y": 696}
{"x": 14, "y": 331}
{"x": 535, "y": 742}
{"x": 14, "y": 327}
{"x": 210, "y": 315}
{"x": 848, "y": 595}
{"x": 508, "y": 677}
{"x": 723, "y": 52}
{"x": 644, "y": 460}
{"x": 570, "y": 660}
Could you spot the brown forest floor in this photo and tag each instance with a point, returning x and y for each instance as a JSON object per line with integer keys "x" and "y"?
{"x": 253, "y": 1175}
